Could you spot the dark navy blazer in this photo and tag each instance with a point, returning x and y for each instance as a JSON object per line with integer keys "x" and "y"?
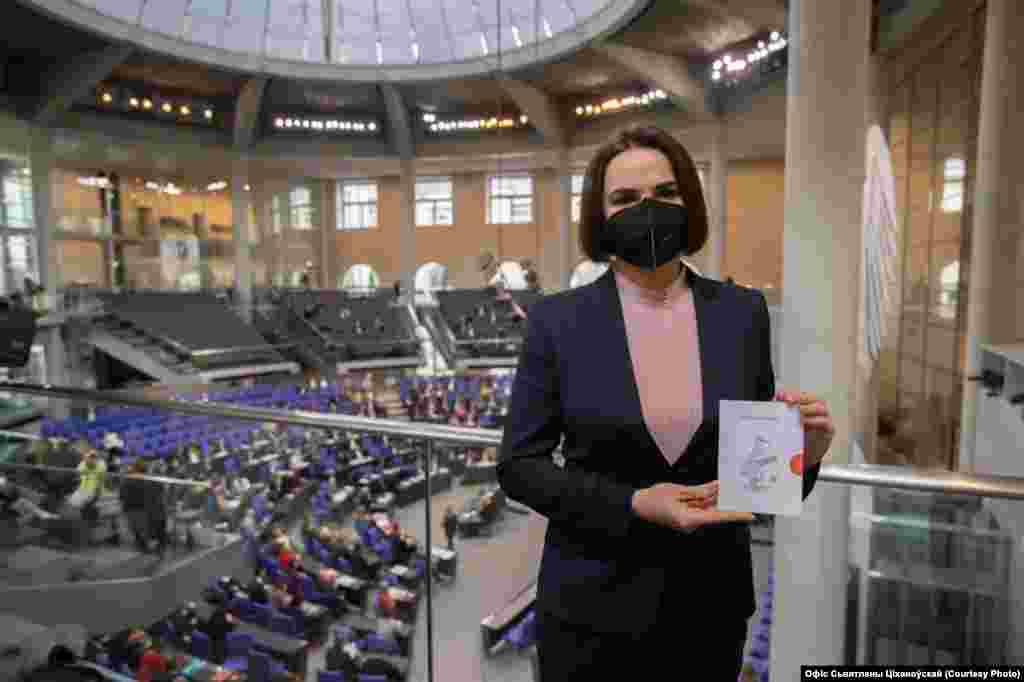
{"x": 602, "y": 566}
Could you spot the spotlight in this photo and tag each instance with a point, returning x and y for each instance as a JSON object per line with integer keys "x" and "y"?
{"x": 167, "y": 107}
{"x": 524, "y": 119}
{"x": 279, "y": 123}
{"x": 579, "y": 111}
{"x": 429, "y": 118}
{"x": 185, "y": 111}
{"x": 147, "y": 104}
{"x": 107, "y": 98}
{"x": 208, "y": 114}
{"x": 372, "y": 126}
{"x": 134, "y": 102}
{"x": 247, "y": 188}
{"x": 775, "y": 35}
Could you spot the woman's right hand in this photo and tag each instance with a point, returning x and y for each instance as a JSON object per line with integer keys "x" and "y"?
{"x": 682, "y": 507}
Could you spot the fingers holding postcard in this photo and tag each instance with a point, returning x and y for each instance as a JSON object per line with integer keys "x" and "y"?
{"x": 760, "y": 458}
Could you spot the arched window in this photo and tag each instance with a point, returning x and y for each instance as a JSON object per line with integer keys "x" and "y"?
{"x": 586, "y": 272}
{"x": 949, "y": 281}
{"x": 512, "y": 273}
{"x": 431, "y": 277}
{"x": 190, "y": 281}
{"x": 360, "y": 277}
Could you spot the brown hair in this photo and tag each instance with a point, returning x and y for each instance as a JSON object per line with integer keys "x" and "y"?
{"x": 592, "y": 220}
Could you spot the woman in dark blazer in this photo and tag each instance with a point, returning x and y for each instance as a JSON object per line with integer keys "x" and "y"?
{"x": 640, "y": 572}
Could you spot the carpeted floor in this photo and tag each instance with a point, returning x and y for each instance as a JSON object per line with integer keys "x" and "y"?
{"x": 491, "y": 571}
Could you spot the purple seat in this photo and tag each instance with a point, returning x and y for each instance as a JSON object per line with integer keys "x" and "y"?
{"x": 237, "y": 648}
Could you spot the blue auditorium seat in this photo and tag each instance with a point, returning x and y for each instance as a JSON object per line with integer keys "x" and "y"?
{"x": 325, "y": 676}
{"x": 238, "y": 646}
{"x": 201, "y": 646}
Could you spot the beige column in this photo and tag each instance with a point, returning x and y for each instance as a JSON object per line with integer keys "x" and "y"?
{"x": 566, "y": 260}
{"x": 240, "y": 237}
{"x": 407, "y": 225}
{"x": 992, "y": 311}
{"x": 718, "y": 178}
{"x": 825, "y": 138}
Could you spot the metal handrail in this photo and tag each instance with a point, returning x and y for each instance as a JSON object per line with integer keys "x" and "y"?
{"x": 389, "y": 427}
{"x": 920, "y": 480}
{"x": 924, "y": 480}
{"x": 107, "y": 474}
{"x": 239, "y": 349}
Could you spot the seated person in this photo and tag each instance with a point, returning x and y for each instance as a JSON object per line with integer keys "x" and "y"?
{"x": 14, "y": 503}
{"x": 343, "y": 657}
{"x": 127, "y": 647}
{"x": 217, "y": 627}
{"x": 91, "y": 478}
{"x": 279, "y": 597}
{"x": 258, "y": 591}
{"x": 153, "y": 665}
{"x": 217, "y": 507}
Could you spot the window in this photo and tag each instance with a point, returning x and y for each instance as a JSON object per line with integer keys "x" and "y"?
{"x": 21, "y": 261}
{"x": 953, "y": 173}
{"x": 434, "y": 202}
{"x": 509, "y": 199}
{"x": 300, "y": 200}
{"x": 357, "y": 205}
{"x": 17, "y": 199}
{"x": 360, "y": 277}
{"x": 431, "y": 277}
{"x": 577, "y": 196}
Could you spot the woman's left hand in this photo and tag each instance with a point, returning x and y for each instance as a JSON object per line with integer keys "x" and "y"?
{"x": 818, "y": 426}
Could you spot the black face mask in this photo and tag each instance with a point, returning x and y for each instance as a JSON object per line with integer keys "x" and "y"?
{"x": 648, "y": 234}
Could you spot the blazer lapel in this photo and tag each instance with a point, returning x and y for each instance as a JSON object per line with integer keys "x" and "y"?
{"x": 619, "y": 349}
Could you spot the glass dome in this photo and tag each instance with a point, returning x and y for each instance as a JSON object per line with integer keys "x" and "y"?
{"x": 354, "y": 39}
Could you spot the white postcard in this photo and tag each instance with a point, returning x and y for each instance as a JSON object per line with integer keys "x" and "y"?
{"x": 760, "y": 458}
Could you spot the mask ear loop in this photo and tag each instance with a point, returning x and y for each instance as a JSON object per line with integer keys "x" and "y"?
{"x": 650, "y": 231}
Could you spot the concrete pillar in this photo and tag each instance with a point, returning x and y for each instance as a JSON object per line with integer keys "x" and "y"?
{"x": 718, "y": 178}
{"x": 328, "y": 226}
{"x": 407, "y": 226}
{"x": 240, "y": 236}
{"x": 41, "y": 160}
{"x": 825, "y": 138}
{"x": 565, "y": 246}
{"x": 996, "y": 228}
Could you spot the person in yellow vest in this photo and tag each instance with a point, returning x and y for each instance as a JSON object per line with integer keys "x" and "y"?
{"x": 91, "y": 478}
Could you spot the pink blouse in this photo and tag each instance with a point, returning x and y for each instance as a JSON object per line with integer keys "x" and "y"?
{"x": 663, "y": 345}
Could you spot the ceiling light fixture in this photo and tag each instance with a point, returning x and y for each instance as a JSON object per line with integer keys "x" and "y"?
{"x": 107, "y": 98}
{"x": 167, "y": 107}
{"x": 622, "y": 103}
{"x": 134, "y": 102}
{"x": 208, "y": 114}
{"x": 735, "y": 67}
{"x": 147, "y": 104}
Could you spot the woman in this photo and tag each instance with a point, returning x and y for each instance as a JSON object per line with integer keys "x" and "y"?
{"x": 640, "y": 572}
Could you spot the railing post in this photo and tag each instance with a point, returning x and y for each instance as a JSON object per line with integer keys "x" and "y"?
{"x": 429, "y": 457}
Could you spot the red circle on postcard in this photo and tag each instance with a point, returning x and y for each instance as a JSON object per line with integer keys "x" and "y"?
{"x": 796, "y": 463}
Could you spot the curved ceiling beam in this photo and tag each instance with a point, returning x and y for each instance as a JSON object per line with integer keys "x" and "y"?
{"x": 541, "y": 109}
{"x": 667, "y": 72}
{"x": 247, "y": 112}
{"x": 398, "y": 120}
{"x": 67, "y": 83}
{"x": 758, "y": 14}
